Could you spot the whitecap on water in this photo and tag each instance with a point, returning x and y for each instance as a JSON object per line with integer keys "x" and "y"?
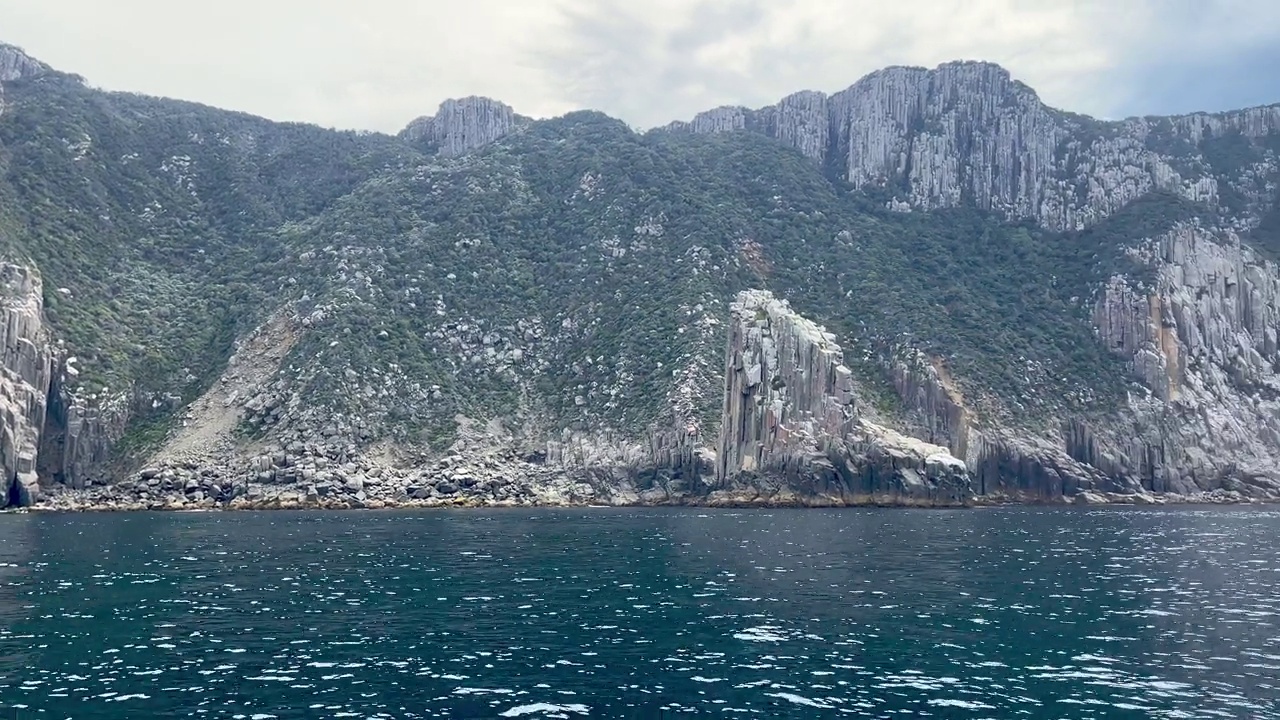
{"x": 761, "y": 633}
{"x": 550, "y": 711}
{"x": 966, "y": 704}
{"x": 799, "y": 700}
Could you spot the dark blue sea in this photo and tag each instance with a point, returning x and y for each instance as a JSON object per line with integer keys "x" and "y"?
{"x": 607, "y": 613}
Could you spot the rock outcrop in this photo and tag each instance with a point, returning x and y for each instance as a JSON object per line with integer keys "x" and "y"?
{"x": 1203, "y": 339}
{"x": 1007, "y": 464}
{"x": 15, "y": 64}
{"x": 791, "y": 422}
{"x": 464, "y": 124}
{"x": 25, "y": 374}
{"x": 80, "y": 433}
{"x": 967, "y": 132}
{"x": 48, "y": 434}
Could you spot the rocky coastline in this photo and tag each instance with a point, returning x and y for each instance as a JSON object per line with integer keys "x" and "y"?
{"x": 795, "y": 433}
{"x": 117, "y": 498}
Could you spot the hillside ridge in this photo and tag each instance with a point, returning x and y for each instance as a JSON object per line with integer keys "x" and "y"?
{"x": 488, "y": 308}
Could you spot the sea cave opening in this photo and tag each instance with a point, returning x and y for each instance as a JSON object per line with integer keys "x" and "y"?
{"x": 14, "y": 495}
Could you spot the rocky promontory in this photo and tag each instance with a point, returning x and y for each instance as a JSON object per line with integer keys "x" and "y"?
{"x": 791, "y": 422}
{"x": 791, "y": 436}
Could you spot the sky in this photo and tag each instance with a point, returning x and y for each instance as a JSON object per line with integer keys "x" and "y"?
{"x": 377, "y": 64}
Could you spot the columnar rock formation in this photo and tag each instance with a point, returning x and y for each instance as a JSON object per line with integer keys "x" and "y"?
{"x": 791, "y": 420}
{"x": 25, "y": 373}
{"x": 966, "y": 131}
{"x": 46, "y": 432}
{"x": 464, "y": 124}
{"x": 1204, "y": 340}
{"x": 1201, "y": 338}
{"x": 1009, "y": 464}
{"x": 14, "y": 64}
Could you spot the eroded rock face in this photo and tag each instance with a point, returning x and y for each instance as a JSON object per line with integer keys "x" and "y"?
{"x": 25, "y": 373}
{"x": 1204, "y": 340}
{"x": 16, "y": 64}
{"x": 47, "y": 433}
{"x": 1201, "y": 337}
{"x": 80, "y": 433}
{"x": 1007, "y": 464}
{"x": 791, "y": 424}
{"x": 966, "y": 131}
{"x": 464, "y": 124}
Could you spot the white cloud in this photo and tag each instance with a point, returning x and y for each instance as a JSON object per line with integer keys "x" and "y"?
{"x": 380, "y": 63}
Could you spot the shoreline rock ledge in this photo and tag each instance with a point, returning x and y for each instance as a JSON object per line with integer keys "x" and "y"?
{"x": 793, "y": 427}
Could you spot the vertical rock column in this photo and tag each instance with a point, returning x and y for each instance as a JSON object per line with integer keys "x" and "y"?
{"x": 790, "y": 418}
{"x": 785, "y": 387}
{"x": 25, "y": 374}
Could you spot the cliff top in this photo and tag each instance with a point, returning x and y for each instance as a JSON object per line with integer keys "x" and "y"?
{"x": 15, "y": 63}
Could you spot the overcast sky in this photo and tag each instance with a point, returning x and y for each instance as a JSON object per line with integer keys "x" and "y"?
{"x": 376, "y": 64}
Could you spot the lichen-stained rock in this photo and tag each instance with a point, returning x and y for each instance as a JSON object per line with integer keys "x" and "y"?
{"x": 791, "y": 425}
{"x": 25, "y": 371}
{"x": 464, "y": 124}
{"x": 968, "y": 132}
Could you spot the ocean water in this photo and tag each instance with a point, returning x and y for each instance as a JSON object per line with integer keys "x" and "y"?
{"x": 607, "y": 613}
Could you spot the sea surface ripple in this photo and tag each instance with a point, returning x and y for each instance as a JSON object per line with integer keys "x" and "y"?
{"x": 611, "y": 613}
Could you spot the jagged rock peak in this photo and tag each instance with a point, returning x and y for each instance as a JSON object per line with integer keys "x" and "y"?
{"x": 15, "y": 63}
{"x": 464, "y": 124}
{"x": 969, "y": 130}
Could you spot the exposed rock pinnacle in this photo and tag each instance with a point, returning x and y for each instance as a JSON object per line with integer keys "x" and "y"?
{"x": 464, "y": 124}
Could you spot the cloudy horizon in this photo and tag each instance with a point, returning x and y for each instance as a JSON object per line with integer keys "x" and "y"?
{"x": 379, "y": 65}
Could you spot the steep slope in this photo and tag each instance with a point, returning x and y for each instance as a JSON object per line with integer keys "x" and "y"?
{"x": 144, "y": 218}
{"x": 491, "y": 309}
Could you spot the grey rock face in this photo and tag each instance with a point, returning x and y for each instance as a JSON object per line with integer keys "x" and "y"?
{"x": 464, "y": 124}
{"x": 1201, "y": 338}
{"x": 791, "y": 417}
{"x": 14, "y": 65}
{"x": 25, "y": 374}
{"x": 1204, "y": 340}
{"x": 45, "y": 431}
{"x": 80, "y": 433}
{"x": 1007, "y": 464}
{"x": 967, "y": 130}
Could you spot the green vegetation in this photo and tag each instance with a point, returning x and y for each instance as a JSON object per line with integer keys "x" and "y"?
{"x": 576, "y": 272}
